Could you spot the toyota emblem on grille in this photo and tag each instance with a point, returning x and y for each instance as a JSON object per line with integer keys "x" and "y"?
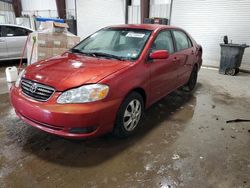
{"x": 33, "y": 88}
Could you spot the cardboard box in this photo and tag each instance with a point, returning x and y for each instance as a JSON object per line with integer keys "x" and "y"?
{"x": 57, "y": 40}
{"x": 43, "y": 53}
{"x": 72, "y": 41}
{"x": 53, "y": 27}
{"x": 47, "y": 42}
{"x": 39, "y": 53}
{"x": 41, "y": 39}
{"x": 58, "y": 51}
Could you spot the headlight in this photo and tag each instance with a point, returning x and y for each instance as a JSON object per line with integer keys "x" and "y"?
{"x": 18, "y": 80}
{"x": 84, "y": 94}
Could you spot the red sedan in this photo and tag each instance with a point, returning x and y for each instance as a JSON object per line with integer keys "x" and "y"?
{"x": 105, "y": 83}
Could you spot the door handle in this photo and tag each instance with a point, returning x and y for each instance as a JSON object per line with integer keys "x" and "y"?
{"x": 192, "y": 52}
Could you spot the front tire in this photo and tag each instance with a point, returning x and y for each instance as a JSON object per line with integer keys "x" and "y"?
{"x": 129, "y": 115}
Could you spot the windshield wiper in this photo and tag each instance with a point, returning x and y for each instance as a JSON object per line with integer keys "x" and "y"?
{"x": 95, "y": 54}
{"x": 101, "y": 54}
{"x": 74, "y": 50}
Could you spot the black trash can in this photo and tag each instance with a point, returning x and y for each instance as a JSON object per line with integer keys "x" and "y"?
{"x": 231, "y": 57}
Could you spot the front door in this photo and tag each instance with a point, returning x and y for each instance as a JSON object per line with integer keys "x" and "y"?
{"x": 3, "y": 46}
{"x": 15, "y": 40}
{"x": 163, "y": 72}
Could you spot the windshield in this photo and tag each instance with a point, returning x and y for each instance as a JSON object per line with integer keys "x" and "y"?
{"x": 118, "y": 43}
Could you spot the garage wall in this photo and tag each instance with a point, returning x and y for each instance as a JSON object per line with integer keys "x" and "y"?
{"x": 96, "y": 14}
{"x": 70, "y": 8}
{"x": 44, "y": 8}
{"x": 159, "y": 8}
{"x": 134, "y": 12}
{"x": 209, "y": 20}
{"x": 6, "y": 13}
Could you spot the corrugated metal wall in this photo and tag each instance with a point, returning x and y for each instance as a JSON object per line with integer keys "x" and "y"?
{"x": 70, "y": 8}
{"x": 6, "y": 13}
{"x": 134, "y": 12}
{"x": 95, "y": 14}
{"x": 44, "y": 8}
{"x": 209, "y": 20}
{"x": 159, "y": 8}
{"x": 47, "y": 8}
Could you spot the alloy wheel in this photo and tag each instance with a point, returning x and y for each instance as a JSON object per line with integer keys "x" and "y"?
{"x": 132, "y": 115}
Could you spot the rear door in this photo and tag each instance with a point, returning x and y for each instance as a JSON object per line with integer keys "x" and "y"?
{"x": 3, "y": 46}
{"x": 15, "y": 40}
{"x": 162, "y": 71}
{"x": 185, "y": 54}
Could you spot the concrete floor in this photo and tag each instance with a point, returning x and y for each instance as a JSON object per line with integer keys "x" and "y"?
{"x": 185, "y": 142}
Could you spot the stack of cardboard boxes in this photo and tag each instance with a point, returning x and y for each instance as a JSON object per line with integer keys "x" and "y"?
{"x": 50, "y": 40}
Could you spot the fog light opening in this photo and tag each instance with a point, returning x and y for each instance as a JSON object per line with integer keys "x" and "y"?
{"x": 82, "y": 130}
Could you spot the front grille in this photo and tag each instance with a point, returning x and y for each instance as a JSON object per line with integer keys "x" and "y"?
{"x": 36, "y": 91}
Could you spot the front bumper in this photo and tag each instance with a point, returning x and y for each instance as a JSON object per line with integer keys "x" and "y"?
{"x": 59, "y": 119}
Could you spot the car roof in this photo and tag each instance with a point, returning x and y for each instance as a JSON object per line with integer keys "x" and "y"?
{"x": 144, "y": 26}
{"x": 13, "y": 25}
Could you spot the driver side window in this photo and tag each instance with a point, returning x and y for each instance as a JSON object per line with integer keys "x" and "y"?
{"x": 163, "y": 41}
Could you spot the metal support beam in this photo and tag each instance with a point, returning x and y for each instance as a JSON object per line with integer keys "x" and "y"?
{"x": 126, "y": 11}
{"x": 17, "y": 7}
{"x": 170, "y": 12}
{"x": 61, "y": 8}
{"x": 144, "y": 9}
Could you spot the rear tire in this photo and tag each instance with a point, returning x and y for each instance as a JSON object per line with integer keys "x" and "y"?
{"x": 192, "y": 80}
{"x": 129, "y": 115}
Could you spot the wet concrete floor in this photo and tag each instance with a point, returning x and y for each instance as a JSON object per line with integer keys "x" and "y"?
{"x": 184, "y": 142}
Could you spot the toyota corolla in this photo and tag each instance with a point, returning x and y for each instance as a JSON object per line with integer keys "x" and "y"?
{"x": 105, "y": 83}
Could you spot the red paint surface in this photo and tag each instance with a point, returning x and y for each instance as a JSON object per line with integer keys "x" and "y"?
{"x": 157, "y": 78}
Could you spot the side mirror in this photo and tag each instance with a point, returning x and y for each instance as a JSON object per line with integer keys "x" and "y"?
{"x": 159, "y": 54}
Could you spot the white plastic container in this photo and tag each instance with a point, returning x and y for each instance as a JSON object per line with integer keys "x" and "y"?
{"x": 11, "y": 74}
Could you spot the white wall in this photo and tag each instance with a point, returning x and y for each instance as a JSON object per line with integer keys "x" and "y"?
{"x": 159, "y": 8}
{"x": 209, "y": 20}
{"x": 6, "y": 13}
{"x": 70, "y": 8}
{"x": 93, "y": 15}
{"x": 136, "y": 2}
{"x": 134, "y": 14}
{"x": 160, "y": 2}
{"x": 44, "y": 8}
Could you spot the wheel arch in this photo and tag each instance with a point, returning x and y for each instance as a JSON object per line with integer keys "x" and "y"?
{"x": 141, "y": 91}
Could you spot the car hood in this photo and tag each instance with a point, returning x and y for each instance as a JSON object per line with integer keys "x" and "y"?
{"x": 71, "y": 70}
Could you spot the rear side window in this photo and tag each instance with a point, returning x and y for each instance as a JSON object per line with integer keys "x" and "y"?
{"x": 182, "y": 41}
{"x": 15, "y": 31}
{"x": 163, "y": 41}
